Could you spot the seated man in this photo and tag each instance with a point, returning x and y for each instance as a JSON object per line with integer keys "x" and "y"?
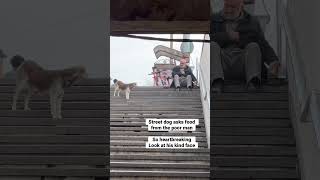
{"x": 182, "y": 76}
{"x": 239, "y": 48}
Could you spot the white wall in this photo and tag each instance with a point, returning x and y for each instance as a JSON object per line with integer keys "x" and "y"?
{"x": 57, "y": 33}
{"x": 305, "y": 24}
{"x": 205, "y": 85}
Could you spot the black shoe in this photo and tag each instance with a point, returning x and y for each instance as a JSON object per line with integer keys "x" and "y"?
{"x": 189, "y": 88}
{"x": 251, "y": 87}
{"x": 254, "y": 85}
{"x": 178, "y": 88}
{"x": 217, "y": 86}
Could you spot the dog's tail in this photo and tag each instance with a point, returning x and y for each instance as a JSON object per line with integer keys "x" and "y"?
{"x": 16, "y": 61}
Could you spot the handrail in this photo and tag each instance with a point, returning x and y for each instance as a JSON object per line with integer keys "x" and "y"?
{"x": 305, "y": 100}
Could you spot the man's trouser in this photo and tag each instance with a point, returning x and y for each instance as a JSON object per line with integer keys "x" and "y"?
{"x": 235, "y": 63}
{"x": 182, "y": 81}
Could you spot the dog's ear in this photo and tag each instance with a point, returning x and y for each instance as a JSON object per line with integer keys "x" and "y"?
{"x": 115, "y": 81}
{"x": 16, "y": 61}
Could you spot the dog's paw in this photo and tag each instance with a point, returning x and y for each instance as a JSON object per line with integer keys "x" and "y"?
{"x": 27, "y": 109}
{"x": 57, "y": 118}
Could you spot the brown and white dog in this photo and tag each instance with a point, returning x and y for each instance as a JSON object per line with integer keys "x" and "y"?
{"x": 120, "y": 86}
{"x": 33, "y": 79}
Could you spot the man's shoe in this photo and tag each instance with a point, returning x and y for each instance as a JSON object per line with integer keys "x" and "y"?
{"x": 189, "y": 88}
{"x": 253, "y": 85}
{"x": 178, "y": 88}
{"x": 217, "y": 86}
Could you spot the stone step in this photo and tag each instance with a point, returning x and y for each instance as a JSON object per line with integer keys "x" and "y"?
{"x": 173, "y": 165}
{"x": 150, "y": 108}
{"x": 128, "y": 135}
{"x": 164, "y": 169}
{"x": 46, "y": 113}
{"x": 73, "y": 89}
{"x": 158, "y": 178}
{"x": 71, "y": 105}
{"x": 160, "y": 93}
{"x": 17, "y": 171}
{"x": 53, "y": 130}
{"x": 153, "y": 106}
{"x": 84, "y": 82}
{"x": 254, "y": 161}
{"x": 234, "y": 173}
{"x": 252, "y": 131}
{"x": 156, "y": 174}
{"x": 279, "y": 114}
{"x": 67, "y": 97}
{"x": 160, "y": 153}
{"x": 252, "y": 140}
{"x": 160, "y": 112}
{"x": 253, "y": 150}
{"x": 251, "y": 105}
{"x": 251, "y": 97}
{"x": 250, "y": 122}
{"x": 149, "y": 157}
{"x": 53, "y": 139}
{"x": 48, "y": 121}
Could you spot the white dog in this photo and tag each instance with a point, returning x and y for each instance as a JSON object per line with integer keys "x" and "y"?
{"x": 33, "y": 79}
{"x": 120, "y": 86}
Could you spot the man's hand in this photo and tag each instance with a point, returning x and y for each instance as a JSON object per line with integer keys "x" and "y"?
{"x": 234, "y": 35}
{"x": 274, "y": 68}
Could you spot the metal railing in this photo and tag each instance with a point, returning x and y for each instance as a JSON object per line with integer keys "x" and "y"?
{"x": 305, "y": 100}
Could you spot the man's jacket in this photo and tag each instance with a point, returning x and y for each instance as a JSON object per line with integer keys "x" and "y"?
{"x": 187, "y": 71}
{"x": 249, "y": 31}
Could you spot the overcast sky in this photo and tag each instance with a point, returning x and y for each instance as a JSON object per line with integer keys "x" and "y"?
{"x": 131, "y": 60}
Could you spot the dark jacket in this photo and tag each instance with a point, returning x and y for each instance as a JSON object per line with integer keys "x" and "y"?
{"x": 249, "y": 31}
{"x": 187, "y": 71}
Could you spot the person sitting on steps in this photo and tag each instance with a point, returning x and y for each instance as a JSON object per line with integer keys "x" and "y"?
{"x": 238, "y": 48}
{"x": 183, "y": 76}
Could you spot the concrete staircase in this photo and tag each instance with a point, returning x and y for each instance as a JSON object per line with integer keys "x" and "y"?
{"x": 251, "y": 135}
{"x": 129, "y": 159}
{"x": 33, "y": 146}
